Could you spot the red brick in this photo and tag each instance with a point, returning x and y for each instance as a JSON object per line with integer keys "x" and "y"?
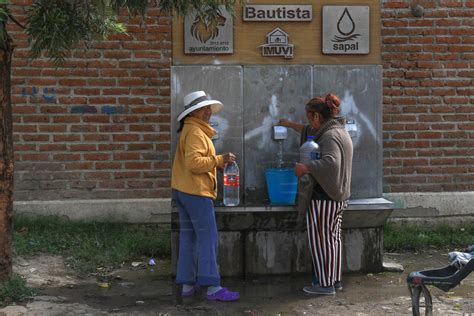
{"x": 108, "y": 147}
{"x": 66, "y": 138}
{"x": 448, "y": 22}
{"x": 53, "y": 128}
{"x": 35, "y": 137}
{"x": 147, "y": 55}
{"x": 78, "y": 166}
{"x": 125, "y": 137}
{"x": 97, "y": 175}
{"x": 108, "y": 166}
{"x": 137, "y": 165}
{"x": 96, "y": 119}
{"x": 34, "y": 157}
{"x": 66, "y": 157}
{"x": 124, "y": 175}
{"x": 82, "y": 147}
{"x": 435, "y": 135}
{"x": 117, "y": 54}
{"x": 66, "y": 119}
{"x": 113, "y": 184}
{"x": 451, "y": 3}
{"x": 126, "y": 156}
{"x": 25, "y": 128}
{"x": 97, "y": 156}
{"x": 53, "y": 147}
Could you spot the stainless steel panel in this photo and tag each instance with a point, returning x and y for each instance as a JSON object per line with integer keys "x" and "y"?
{"x": 360, "y": 89}
{"x": 346, "y": 29}
{"x": 255, "y": 97}
{"x": 271, "y": 93}
{"x": 223, "y": 84}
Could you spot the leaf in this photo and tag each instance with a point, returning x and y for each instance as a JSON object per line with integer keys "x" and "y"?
{"x": 3, "y": 15}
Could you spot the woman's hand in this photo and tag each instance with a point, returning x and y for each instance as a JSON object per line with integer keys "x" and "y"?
{"x": 229, "y": 157}
{"x": 301, "y": 169}
{"x": 287, "y": 123}
{"x": 284, "y": 122}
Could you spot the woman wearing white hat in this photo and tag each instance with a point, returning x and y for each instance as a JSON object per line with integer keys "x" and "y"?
{"x": 194, "y": 184}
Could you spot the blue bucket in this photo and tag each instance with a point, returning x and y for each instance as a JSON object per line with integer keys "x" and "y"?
{"x": 281, "y": 185}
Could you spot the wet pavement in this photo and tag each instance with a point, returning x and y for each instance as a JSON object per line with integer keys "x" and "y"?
{"x": 144, "y": 291}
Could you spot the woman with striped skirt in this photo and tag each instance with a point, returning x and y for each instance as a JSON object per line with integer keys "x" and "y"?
{"x": 324, "y": 197}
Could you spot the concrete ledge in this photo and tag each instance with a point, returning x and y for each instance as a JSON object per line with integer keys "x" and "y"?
{"x": 415, "y": 207}
{"x": 271, "y": 240}
{"x": 126, "y": 210}
{"x": 432, "y": 208}
{"x": 360, "y": 213}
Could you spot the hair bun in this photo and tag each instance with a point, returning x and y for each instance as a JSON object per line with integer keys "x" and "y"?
{"x": 333, "y": 103}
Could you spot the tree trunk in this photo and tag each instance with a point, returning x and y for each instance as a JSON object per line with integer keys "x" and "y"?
{"x": 6, "y": 161}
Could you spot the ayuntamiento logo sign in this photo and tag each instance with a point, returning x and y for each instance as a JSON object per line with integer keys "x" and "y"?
{"x": 203, "y": 35}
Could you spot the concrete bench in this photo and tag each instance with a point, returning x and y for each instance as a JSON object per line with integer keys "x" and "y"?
{"x": 263, "y": 240}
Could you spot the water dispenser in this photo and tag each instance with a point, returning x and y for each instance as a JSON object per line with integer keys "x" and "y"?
{"x": 281, "y": 182}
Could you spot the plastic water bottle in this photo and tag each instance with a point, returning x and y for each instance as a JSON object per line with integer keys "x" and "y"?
{"x": 309, "y": 150}
{"x": 231, "y": 184}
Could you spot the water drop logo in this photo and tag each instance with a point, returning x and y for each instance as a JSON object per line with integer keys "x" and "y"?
{"x": 346, "y": 28}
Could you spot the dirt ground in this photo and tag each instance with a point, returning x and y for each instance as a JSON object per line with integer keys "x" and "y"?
{"x": 139, "y": 289}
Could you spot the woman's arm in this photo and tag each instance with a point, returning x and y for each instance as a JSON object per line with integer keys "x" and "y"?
{"x": 196, "y": 156}
{"x": 295, "y": 126}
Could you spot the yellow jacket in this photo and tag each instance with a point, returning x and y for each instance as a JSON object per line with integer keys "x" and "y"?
{"x": 195, "y": 160}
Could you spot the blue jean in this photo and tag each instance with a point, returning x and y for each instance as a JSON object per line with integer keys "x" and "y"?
{"x": 197, "y": 261}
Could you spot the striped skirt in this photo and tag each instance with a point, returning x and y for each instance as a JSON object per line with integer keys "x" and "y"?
{"x": 324, "y": 220}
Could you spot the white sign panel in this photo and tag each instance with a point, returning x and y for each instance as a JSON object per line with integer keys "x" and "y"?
{"x": 346, "y": 30}
{"x": 288, "y": 12}
{"x": 205, "y": 36}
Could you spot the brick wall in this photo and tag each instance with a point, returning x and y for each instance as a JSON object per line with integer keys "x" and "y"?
{"x": 428, "y": 96}
{"x": 98, "y": 127}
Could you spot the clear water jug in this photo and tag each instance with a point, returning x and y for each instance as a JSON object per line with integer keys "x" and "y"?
{"x": 309, "y": 150}
{"x": 231, "y": 184}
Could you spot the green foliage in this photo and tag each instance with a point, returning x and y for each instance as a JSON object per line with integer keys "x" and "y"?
{"x": 88, "y": 245}
{"x": 56, "y": 26}
{"x": 134, "y": 7}
{"x": 416, "y": 238}
{"x": 15, "y": 290}
{"x": 183, "y": 7}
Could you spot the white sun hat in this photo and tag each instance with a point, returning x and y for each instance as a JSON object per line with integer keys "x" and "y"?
{"x": 196, "y": 100}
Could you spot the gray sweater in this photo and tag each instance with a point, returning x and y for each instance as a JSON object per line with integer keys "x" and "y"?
{"x": 334, "y": 170}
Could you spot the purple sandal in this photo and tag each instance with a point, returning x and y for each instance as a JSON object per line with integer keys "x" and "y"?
{"x": 190, "y": 292}
{"x": 224, "y": 295}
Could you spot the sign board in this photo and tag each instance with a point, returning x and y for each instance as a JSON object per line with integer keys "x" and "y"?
{"x": 346, "y": 30}
{"x": 241, "y": 38}
{"x": 205, "y": 36}
{"x": 277, "y": 45}
{"x": 277, "y": 13}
